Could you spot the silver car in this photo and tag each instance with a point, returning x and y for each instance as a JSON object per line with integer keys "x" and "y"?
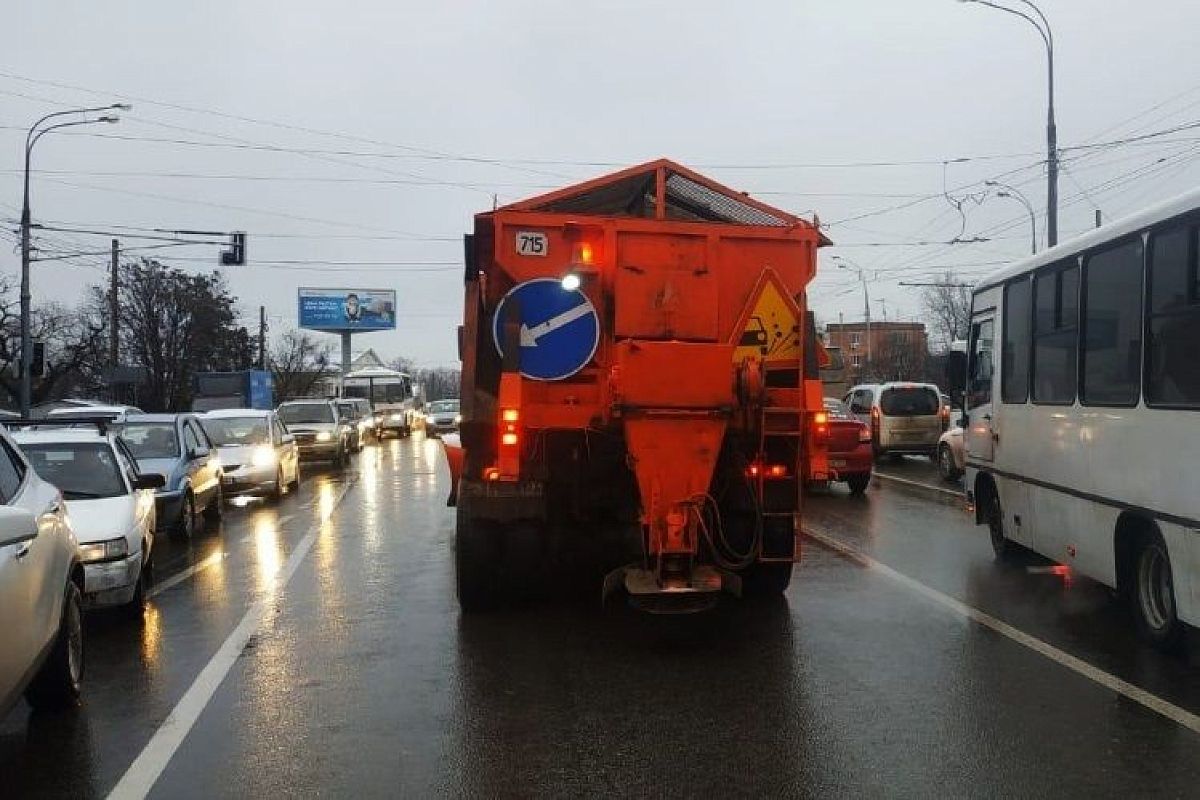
{"x": 442, "y": 417}
{"x": 258, "y": 454}
{"x": 40, "y": 584}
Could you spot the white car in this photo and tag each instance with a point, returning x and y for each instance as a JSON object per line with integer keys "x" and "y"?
{"x": 41, "y": 579}
{"x": 258, "y": 454}
{"x": 110, "y": 504}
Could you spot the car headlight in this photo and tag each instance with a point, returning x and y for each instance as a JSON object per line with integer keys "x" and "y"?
{"x": 324, "y": 436}
{"x": 103, "y": 551}
{"x": 457, "y": 419}
{"x": 264, "y": 456}
{"x": 397, "y": 417}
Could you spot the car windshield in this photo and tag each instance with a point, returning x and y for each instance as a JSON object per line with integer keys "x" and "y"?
{"x": 151, "y": 439}
{"x": 349, "y": 410}
{"x": 837, "y": 409}
{"x": 444, "y": 407}
{"x": 306, "y": 412}
{"x": 81, "y": 470}
{"x": 225, "y": 431}
{"x": 909, "y": 401}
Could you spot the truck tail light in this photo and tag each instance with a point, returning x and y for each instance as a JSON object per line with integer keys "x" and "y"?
{"x": 509, "y": 461}
{"x": 820, "y": 426}
{"x": 758, "y": 469}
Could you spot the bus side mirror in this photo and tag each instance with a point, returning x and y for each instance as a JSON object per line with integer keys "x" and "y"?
{"x": 956, "y": 373}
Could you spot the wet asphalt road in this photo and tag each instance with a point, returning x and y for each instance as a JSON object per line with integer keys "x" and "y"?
{"x": 362, "y": 679}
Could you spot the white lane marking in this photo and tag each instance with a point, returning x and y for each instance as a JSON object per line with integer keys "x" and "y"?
{"x": 190, "y": 572}
{"x": 1077, "y": 665}
{"x": 909, "y": 482}
{"x": 145, "y": 770}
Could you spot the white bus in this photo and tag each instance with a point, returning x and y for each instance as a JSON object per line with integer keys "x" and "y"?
{"x": 390, "y": 393}
{"x": 1083, "y": 411}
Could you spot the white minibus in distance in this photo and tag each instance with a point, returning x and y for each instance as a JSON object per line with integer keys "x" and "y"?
{"x": 1082, "y": 402}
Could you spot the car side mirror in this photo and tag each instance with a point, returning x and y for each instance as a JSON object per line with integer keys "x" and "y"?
{"x": 149, "y": 480}
{"x": 198, "y": 452}
{"x": 16, "y": 526}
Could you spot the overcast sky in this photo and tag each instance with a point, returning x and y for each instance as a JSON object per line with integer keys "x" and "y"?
{"x": 758, "y": 95}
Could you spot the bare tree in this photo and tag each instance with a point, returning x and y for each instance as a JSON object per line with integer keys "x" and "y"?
{"x": 948, "y": 303}
{"x": 298, "y": 362}
{"x": 898, "y": 358}
{"x": 175, "y": 324}
{"x": 70, "y": 340}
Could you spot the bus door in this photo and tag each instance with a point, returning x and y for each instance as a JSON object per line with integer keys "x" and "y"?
{"x": 981, "y": 388}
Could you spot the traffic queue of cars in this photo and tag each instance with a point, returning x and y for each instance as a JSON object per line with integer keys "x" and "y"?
{"x": 85, "y": 489}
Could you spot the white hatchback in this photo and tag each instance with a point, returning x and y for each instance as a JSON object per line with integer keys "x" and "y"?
{"x": 110, "y": 504}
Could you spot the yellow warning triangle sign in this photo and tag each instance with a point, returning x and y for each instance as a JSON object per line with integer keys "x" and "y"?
{"x": 770, "y": 327}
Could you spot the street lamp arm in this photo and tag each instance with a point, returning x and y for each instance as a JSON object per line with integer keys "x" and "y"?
{"x": 44, "y": 131}
{"x": 1022, "y": 15}
{"x": 33, "y": 128}
{"x": 1049, "y": 35}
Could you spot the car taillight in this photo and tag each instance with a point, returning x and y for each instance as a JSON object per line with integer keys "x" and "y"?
{"x": 945, "y": 415}
{"x": 864, "y": 434}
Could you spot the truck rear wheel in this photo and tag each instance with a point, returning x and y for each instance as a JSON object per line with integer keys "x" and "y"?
{"x": 475, "y": 564}
{"x": 767, "y": 580}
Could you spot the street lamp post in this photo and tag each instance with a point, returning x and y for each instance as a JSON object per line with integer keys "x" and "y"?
{"x": 1043, "y": 29}
{"x": 845, "y": 263}
{"x": 37, "y": 131}
{"x": 1013, "y": 193}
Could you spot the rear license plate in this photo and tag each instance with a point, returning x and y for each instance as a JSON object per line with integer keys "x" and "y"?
{"x": 837, "y": 462}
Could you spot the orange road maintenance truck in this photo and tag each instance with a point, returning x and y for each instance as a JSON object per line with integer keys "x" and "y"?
{"x": 640, "y": 384}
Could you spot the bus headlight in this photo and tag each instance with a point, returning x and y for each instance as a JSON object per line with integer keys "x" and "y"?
{"x": 457, "y": 419}
{"x": 324, "y": 436}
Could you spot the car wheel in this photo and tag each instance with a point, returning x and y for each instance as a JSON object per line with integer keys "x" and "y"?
{"x": 185, "y": 526}
{"x": 57, "y": 682}
{"x": 212, "y": 513}
{"x": 135, "y": 608}
{"x": 278, "y": 489}
{"x": 1154, "y": 606}
{"x": 946, "y": 466}
{"x": 295, "y": 484}
{"x": 858, "y": 483}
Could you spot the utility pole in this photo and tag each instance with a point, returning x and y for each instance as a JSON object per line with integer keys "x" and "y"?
{"x": 262, "y": 337}
{"x": 114, "y": 309}
{"x": 845, "y": 263}
{"x": 883, "y": 303}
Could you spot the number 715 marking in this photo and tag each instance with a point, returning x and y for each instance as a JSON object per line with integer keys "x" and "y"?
{"x": 530, "y": 243}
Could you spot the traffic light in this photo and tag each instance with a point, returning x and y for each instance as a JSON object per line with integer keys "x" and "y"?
{"x": 37, "y": 366}
{"x": 235, "y": 256}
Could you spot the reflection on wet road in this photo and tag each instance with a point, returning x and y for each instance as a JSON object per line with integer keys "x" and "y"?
{"x": 363, "y": 679}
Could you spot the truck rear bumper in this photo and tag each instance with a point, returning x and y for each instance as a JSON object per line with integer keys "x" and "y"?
{"x": 503, "y": 501}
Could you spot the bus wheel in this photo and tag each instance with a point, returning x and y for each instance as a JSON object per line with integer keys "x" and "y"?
{"x": 1004, "y": 548}
{"x": 1154, "y": 595}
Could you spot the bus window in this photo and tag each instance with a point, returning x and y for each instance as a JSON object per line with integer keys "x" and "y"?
{"x": 979, "y": 371}
{"x": 1014, "y": 367}
{"x": 1173, "y": 348}
{"x": 1055, "y": 335}
{"x": 1112, "y": 342}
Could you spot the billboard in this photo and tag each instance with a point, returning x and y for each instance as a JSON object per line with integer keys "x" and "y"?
{"x": 347, "y": 309}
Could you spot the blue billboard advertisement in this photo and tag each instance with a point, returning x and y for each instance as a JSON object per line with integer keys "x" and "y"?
{"x": 347, "y": 309}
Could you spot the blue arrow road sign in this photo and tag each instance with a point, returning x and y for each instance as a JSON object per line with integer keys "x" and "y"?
{"x": 559, "y": 329}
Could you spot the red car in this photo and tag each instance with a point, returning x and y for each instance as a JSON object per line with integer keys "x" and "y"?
{"x": 850, "y": 454}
